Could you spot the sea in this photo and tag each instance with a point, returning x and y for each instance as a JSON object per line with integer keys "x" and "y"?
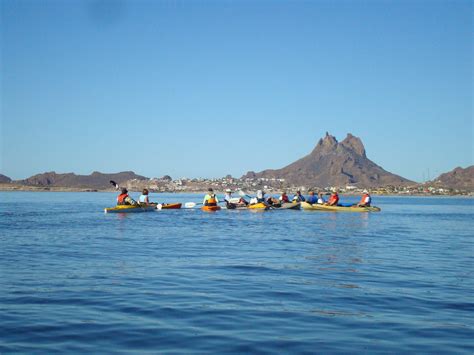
{"x": 74, "y": 279}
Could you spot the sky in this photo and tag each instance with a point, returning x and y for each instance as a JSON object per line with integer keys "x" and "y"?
{"x": 209, "y": 88}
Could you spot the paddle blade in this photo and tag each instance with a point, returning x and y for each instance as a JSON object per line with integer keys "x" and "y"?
{"x": 189, "y": 205}
{"x": 115, "y": 184}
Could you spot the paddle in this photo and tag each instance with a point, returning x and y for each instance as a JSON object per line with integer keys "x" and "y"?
{"x": 241, "y": 193}
{"x": 194, "y": 204}
{"x": 115, "y": 184}
{"x": 191, "y": 204}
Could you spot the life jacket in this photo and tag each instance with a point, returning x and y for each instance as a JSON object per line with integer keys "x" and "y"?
{"x": 333, "y": 200}
{"x": 365, "y": 197}
{"x": 284, "y": 198}
{"x": 211, "y": 201}
{"x": 121, "y": 199}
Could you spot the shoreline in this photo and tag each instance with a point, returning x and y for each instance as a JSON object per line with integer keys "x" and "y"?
{"x": 24, "y": 188}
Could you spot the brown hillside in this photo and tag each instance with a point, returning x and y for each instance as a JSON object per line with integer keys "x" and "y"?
{"x": 335, "y": 164}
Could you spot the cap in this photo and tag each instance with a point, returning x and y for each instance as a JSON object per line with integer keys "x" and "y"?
{"x": 228, "y": 190}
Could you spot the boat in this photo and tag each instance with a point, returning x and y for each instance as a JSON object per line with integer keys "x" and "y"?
{"x": 316, "y": 207}
{"x": 258, "y": 206}
{"x": 210, "y": 208}
{"x": 236, "y": 206}
{"x": 169, "y": 206}
{"x": 130, "y": 209}
{"x": 287, "y": 206}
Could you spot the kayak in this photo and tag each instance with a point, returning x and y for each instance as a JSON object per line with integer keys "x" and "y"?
{"x": 130, "y": 209}
{"x": 236, "y": 206}
{"x": 309, "y": 207}
{"x": 170, "y": 206}
{"x": 287, "y": 206}
{"x": 210, "y": 208}
{"x": 258, "y": 206}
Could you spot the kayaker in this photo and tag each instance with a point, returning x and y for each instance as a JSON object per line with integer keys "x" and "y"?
{"x": 227, "y": 198}
{"x": 273, "y": 201}
{"x": 299, "y": 197}
{"x": 365, "y": 200}
{"x": 210, "y": 199}
{"x": 143, "y": 199}
{"x": 124, "y": 199}
{"x": 312, "y": 199}
{"x": 260, "y": 198}
{"x": 321, "y": 200}
{"x": 334, "y": 199}
{"x": 228, "y": 195}
{"x": 284, "y": 198}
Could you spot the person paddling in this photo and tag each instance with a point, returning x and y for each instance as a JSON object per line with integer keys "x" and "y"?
{"x": 227, "y": 198}
{"x": 259, "y": 199}
{"x": 143, "y": 199}
{"x": 299, "y": 197}
{"x": 124, "y": 199}
{"x": 284, "y": 198}
{"x": 312, "y": 199}
{"x": 321, "y": 200}
{"x": 334, "y": 199}
{"x": 365, "y": 200}
{"x": 210, "y": 199}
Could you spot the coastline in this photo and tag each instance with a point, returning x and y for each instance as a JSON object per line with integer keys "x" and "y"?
{"x": 26, "y": 188}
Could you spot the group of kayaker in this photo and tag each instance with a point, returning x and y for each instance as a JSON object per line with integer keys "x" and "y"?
{"x": 211, "y": 199}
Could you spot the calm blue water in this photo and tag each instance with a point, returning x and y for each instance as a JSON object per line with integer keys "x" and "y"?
{"x": 74, "y": 279}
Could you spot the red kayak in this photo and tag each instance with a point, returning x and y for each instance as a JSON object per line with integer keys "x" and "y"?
{"x": 171, "y": 206}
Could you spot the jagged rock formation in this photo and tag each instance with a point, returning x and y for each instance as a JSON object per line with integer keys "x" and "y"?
{"x": 96, "y": 180}
{"x": 459, "y": 178}
{"x": 5, "y": 179}
{"x": 335, "y": 164}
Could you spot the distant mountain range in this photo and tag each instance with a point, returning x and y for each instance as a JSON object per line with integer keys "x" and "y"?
{"x": 333, "y": 163}
{"x": 459, "y": 178}
{"x": 95, "y": 180}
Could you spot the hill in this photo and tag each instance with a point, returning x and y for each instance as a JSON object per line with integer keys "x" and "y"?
{"x": 5, "y": 179}
{"x": 96, "y": 180}
{"x": 459, "y": 178}
{"x": 335, "y": 164}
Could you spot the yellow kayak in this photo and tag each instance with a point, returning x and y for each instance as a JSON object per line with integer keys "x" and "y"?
{"x": 130, "y": 209}
{"x": 258, "y": 206}
{"x": 315, "y": 207}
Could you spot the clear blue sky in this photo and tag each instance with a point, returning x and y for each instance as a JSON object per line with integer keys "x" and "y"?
{"x": 206, "y": 88}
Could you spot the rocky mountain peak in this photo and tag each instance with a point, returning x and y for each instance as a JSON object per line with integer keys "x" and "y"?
{"x": 335, "y": 164}
{"x": 354, "y": 143}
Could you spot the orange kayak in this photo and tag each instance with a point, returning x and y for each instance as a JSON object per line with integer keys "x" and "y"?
{"x": 171, "y": 206}
{"x": 210, "y": 208}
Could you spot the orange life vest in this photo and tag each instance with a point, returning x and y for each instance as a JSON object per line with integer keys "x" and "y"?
{"x": 121, "y": 199}
{"x": 333, "y": 200}
{"x": 211, "y": 201}
{"x": 362, "y": 200}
